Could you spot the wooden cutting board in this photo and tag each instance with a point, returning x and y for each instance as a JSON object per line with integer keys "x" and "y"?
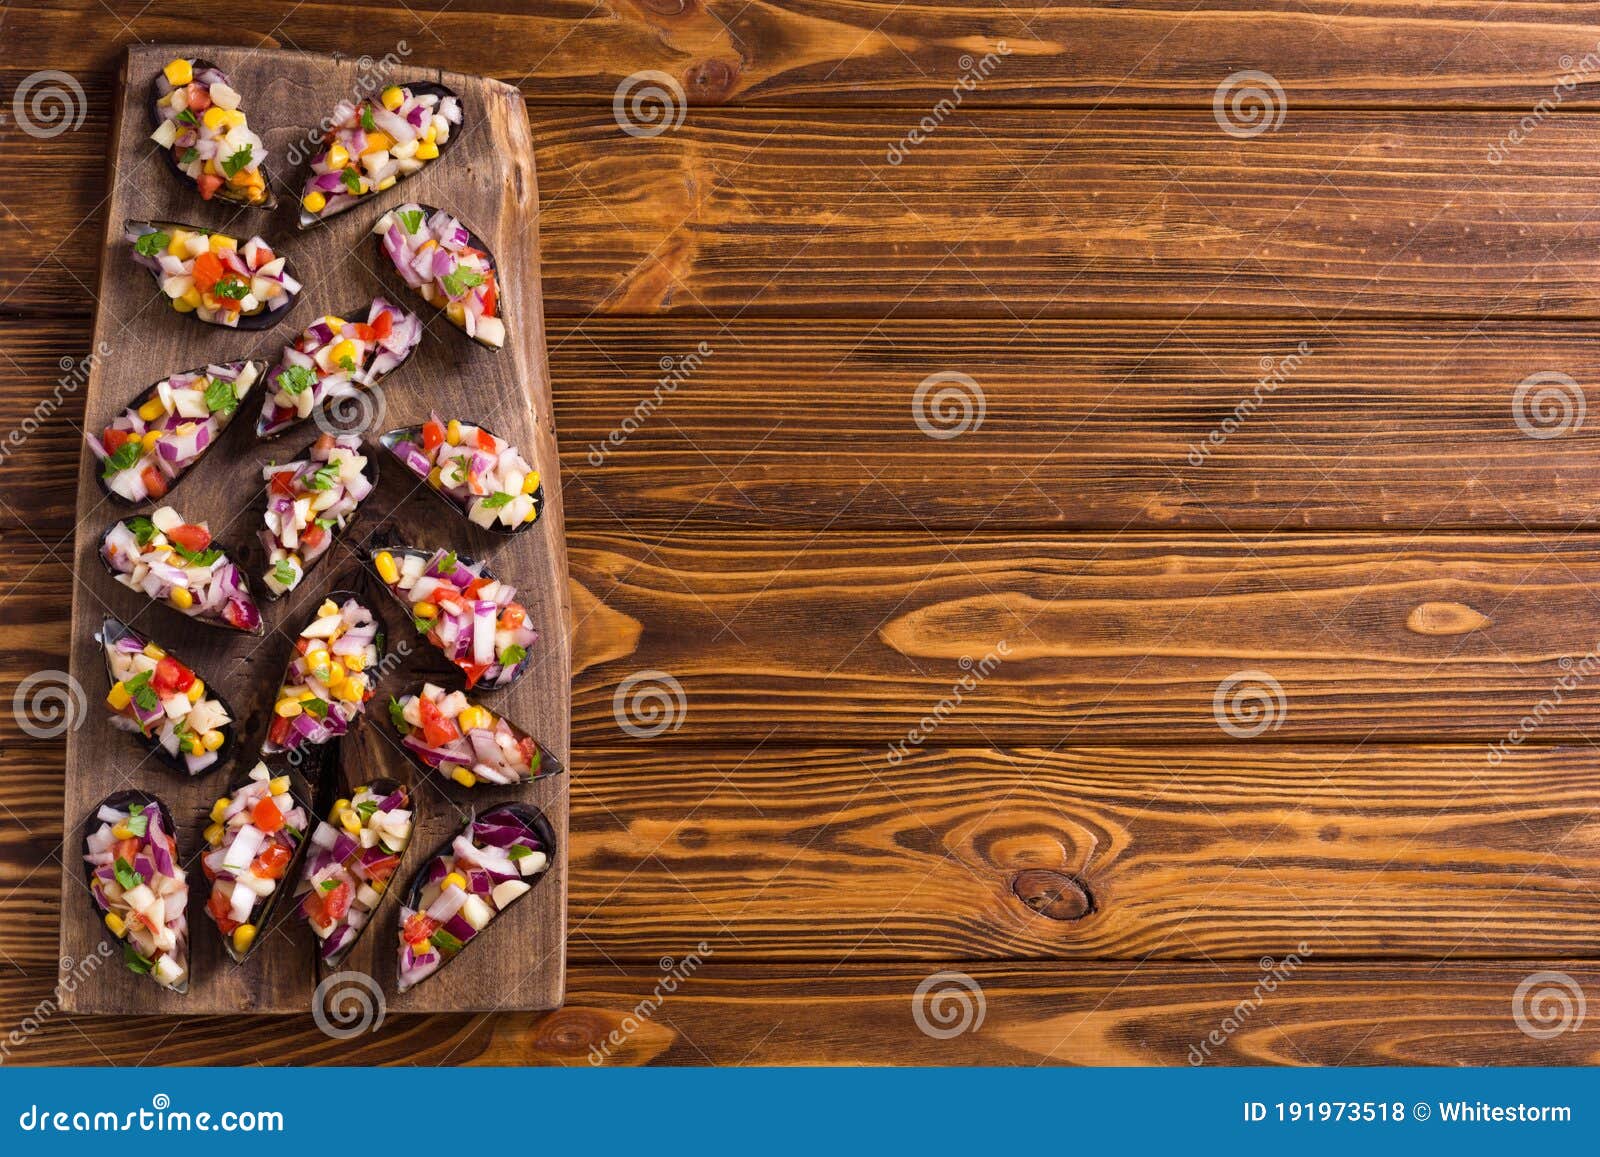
{"x": 487, "y": 180}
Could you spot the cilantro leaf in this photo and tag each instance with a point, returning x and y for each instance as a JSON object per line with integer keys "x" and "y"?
{"x": 142, "y": 529}
{"x": 190, "y": 156}
{"x": 411, "y": 219}
{"x": 322, "y": 478}
{"x": 296, "y": 379}
{"x": 513, "y": 655}
{"x": 459, "y": 280}
{"x": 498, "y": 499}
{"x": 126, "y": 876}
{"x": 367, "y": 123}
{"x": 221, "y": 396}
{"x": 140, "y": 964}
{"x": 397, "y": 716}
{"x": 231, "y": 288}
{"x": 351, "y": 180}
{"x": 151, "y": 244}
{"x": 232, "y": 164}
{"x": 125, "y": 456}
{"x": 284, "y": 573}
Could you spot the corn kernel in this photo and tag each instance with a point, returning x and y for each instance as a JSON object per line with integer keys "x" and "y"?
{"x": 314, "y": 202}
{"x": 154, "y": 652}
{"x": 215, "y": 118}
{"x": 424, "y": 610}
{"x": 352, "y": 690}
{"x": 464, "y": 777}
{"x": 212, "y": 740}
{"x": 221, "y": 244}
{"x": 342, "y": 352}
{"x": 386, "y": 183}
{"x": 337, "y": 809}
{"x": 244, "y": 936}
{"x": 426, "y": 151}
{"x": 354, "y": 663}
{"x": 115, "y": 923}
{"x": 179, "y": 245}
{"x": 455, "y": 878}
{"x": 387, "y": 570}
{"x": 152, "y": 410}
{"x": 220, "y": 807}
{"x": 335, "y": 674}
{"x": 328, "y": 607}
{"x": 473, "y": 719}
{"x": 377, "y": 142}
{"x": 118, "y": 698}
{"x": 213, "y": 834}
{"x": 338, "y": 157}
{"x": 179, "y": 72}
{"x": 278, "y": 785}
{"x": 149, "y": 439}
{"x": 452, "y": 432}
{"x": 392, "y": 97}
{"x": 288, "y": 708}
{"x": 334, "y": 324}
{"x": 350, "y": 820}
{"x": 456, "y": 312}
{"x": 197, "y": 690}
{"x": 531, "y": 515}
{"x": 122, "y": 832}
{"x": 181, "y": 598}
{"x": 530, "y": 482}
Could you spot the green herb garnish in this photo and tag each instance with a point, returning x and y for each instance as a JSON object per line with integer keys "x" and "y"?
{"x": 151, "y": 244}
{"x": 139, "y": 689}
{"x": 296, "y": 379}
{"x": 137, "y": 824}
{"x": 196, "y": 557}
{"x": 459, "y": 280}
{"x": 397, "y": 715}
{"x": 231, "y": 165}
{"x": 367, "y": 123}
{"x": 498, "y": 499}
{"x": 187, "y": 117}
{"x": 445, "y": 942}
{"x": 231, "y": 288}
{"x": 221, "y": 396}
{"x": 519, "y": 851}
{"x": 126, "y": 877}
{"x": 140, "y": 964}
{"x": 411, "y": 219}
{"x": 317, "y": 708}
{"x": 513, "y": 655}
{"x": 351, "y": 180}
{"x": 123, "y": 457}
{"x": 284, "y": 573}
{"x": 322, "y": 478}
{"x": 190, "y": 156}
{"x": 142, "y": 529}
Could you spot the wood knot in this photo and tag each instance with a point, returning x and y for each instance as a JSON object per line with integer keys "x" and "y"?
{"x": 1053, "y": 894}
{"x": 1445, "y": 619}
{"x": 668, "y": 7}
{"x": 710, "y": 81}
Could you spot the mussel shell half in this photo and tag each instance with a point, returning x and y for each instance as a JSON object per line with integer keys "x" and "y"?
{"x": 260, "y": 320}
{"x": 113, "y": 629}
{"x": 413, "y": 434}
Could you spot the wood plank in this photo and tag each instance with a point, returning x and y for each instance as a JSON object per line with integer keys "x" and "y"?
{"x": 1178, "y": 853}
{"x": 854, "y": 52}
{"x": 1011, "y": 215}
{"x": 1086, "y": 426}
{"x": 1099, "y": 1014}
{"x": 793, "y": 636}
{"x": 489, "y": 181}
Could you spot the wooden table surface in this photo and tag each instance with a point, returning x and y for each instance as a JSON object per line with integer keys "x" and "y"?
{"x": 953, "y": 757}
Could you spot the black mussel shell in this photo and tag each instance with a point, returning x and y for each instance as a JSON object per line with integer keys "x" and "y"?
{"x": 226, "y": 192}
{"x": 121, "y": 799}
{"x": 413, "y": 434}
{"x": 113, "y": 629}
{"x": 255, "y": 322}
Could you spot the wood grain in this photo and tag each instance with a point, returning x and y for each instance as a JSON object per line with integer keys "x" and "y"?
{"x": 790, "y": 636}
{"x": 1172, "y": 853}
{"x": 1010, "y": 215}
{"x": 850, "y": 52}
{"x": 1086, "y": 426}
{"x": 1449, "y": 1013}
{"x": 488, "y": 181}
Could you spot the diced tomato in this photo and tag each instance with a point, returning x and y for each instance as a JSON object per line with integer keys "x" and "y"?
{"x": 208, "y": 183}
{"x": 382, "y": 869}
{"x": 336, "y": 903}
{"x": 171, "y": 675}
{"x": 197, "y": 97}
{"x": 272, "y": 861}
{"x": 418, "y": 927}
{"x": 470, "y": 591}
{"x": 529, "y": 750}
{"x": 432, "y": 436}
{"x": 125, "y": 849}
{"x": 491, "y": 295}
{"x": 154, "y": 481}
{"x": 512, "y": 617}
{"x": 436, "y": 729}
{"x": 473, "y": 671}
{"x": 382, "y": 325}
{"x": 266, "y": 815}
{"x": 208, "y": 270}
{"x": 190, "y": 537}
{"x": 112, "y": 439}
{"x": 278, "y": 734}
{"x": 219, "y": 908}
{"x": 262, "y": 257}
{"x": 237, "y": 614}
{"x": 486, "y": 441}
{"x": 311, "y": 537}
